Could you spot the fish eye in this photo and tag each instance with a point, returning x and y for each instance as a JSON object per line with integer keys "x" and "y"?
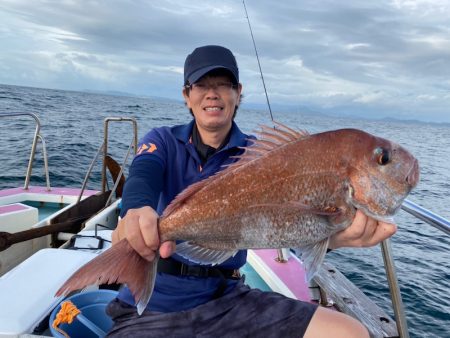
{"x": 382, "y": 156}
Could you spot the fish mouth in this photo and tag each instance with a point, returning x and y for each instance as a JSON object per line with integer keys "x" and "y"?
{"x": 413, "y": 175}
{"x": 388, "y": 218}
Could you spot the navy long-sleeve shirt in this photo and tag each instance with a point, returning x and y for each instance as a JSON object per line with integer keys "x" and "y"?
{"x": 167, "y": 162}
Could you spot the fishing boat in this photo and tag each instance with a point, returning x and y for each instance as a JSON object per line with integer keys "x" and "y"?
{"x": 47, "y": 233}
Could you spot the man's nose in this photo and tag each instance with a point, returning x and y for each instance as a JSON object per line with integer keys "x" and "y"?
{"x": 212, "y": 92}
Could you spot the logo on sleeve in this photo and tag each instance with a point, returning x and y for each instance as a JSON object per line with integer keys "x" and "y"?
{"x": 146, "y": 148}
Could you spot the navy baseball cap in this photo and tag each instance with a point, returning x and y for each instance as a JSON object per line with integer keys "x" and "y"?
{"x": 207, "y": 58}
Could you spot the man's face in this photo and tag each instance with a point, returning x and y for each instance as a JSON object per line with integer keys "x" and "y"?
{"x": 213, "y": 100}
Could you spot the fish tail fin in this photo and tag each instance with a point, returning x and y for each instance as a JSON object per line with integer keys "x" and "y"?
{"x": 147, "y": 286}
{"x": 313, "y": 256}
{"x": 119, "y": 264}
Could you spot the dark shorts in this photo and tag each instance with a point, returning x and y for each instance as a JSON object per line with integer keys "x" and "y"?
{"x": 243, "y": 312}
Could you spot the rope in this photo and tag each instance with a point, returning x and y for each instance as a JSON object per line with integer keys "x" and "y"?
{"x": 66, "y": 315}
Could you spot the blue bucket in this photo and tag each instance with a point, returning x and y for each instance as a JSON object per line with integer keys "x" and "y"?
{"x": 93, "y": 320}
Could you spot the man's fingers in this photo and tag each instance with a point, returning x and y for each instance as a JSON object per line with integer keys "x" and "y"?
{"x": 149, "y": 231}
{"x": 370, "y": 229}
{"x": 167, "y": 249}
{"x": 363, "y": 232}
{"x": 140, "y": 228}
{"x": 382, "y": 232}
{"x": 131, "y": 230}
{"x": 118, "y": 233}
{"x": 358, "y": 227}
{"x": 138, "y": 244}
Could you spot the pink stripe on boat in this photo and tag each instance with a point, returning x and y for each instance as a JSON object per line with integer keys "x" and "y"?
{"x": 43, "y": 190}
{"x": 6, "y": 209}
{"x": 291, "y": 273}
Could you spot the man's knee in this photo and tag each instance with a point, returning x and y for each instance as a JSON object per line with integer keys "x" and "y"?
{"x": 327, "y": 323}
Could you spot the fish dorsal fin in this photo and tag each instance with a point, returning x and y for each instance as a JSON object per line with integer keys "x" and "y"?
{"x": 270, "y": 139}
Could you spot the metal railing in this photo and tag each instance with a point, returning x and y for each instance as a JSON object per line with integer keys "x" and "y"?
{"x": 397, "y": 304}
{"x": 88, "y": 173}
{"x": 428, "y": 217}
{"x": 105, "y": 143}
{"x": 37, "y": 136}
{"x": 394, "y": 289}
{"x": 104, "y": 147}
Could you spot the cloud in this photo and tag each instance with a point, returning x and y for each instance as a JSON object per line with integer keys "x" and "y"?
{"x": 369, "y": 97}
{"x": 324, "y": 54}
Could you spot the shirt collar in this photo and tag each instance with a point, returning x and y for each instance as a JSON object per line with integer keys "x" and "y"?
{"x": 237, "y": 138}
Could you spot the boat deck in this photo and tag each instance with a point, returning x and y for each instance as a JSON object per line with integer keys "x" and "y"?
{"x": 33, "y": 191}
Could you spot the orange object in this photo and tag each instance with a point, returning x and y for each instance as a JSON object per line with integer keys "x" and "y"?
{"x": 66, "y": 315}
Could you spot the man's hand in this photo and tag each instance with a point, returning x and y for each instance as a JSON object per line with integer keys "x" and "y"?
{"x": 140, "y": 228}
{"x": 363, "y": 232}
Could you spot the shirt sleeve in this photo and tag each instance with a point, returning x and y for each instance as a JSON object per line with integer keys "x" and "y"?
{"x": 153, "y": 145}
{"x": 143, "y": 186}
{"x": 145, "y": 178}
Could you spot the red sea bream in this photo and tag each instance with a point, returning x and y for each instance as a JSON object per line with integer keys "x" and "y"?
{"x": 289, "y": 189}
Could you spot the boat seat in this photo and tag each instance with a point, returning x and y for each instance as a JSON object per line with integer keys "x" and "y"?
{"x": 27, "y": 291}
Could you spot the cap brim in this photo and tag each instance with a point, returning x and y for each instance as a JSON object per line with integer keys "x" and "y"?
{"x": 195, "y": 76}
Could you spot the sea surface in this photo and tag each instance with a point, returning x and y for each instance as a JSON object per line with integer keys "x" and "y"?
{"x": 72, "y": 126}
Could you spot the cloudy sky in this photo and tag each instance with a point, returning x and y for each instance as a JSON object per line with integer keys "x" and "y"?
{"x": 373, "y": 58}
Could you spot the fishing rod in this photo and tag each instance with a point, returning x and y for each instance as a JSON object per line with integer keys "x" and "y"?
{"x": 257, "y": 58}
{"x": 385, "y": 245}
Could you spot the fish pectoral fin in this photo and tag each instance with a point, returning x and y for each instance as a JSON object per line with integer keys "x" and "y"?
{"x": 119, "y": 264}
{"x": 313, "y": 256}
{"x": 198, "y": 254}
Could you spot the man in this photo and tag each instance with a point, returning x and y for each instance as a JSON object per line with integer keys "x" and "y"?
{"x": 191, "y": 300}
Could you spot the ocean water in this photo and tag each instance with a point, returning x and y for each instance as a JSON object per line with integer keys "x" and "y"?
{"x": 72, "y": 125}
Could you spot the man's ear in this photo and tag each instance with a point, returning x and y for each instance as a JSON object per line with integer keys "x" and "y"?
{"x": 186, "y": 97}
{"x": 239, "y": 93}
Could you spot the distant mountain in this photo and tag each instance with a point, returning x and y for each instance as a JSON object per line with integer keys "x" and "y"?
{"x": 126, "y": 94}
{"x": 108, "y": 92}
{"x": 285, "y": 108}
{"x": 365, "y": 113}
